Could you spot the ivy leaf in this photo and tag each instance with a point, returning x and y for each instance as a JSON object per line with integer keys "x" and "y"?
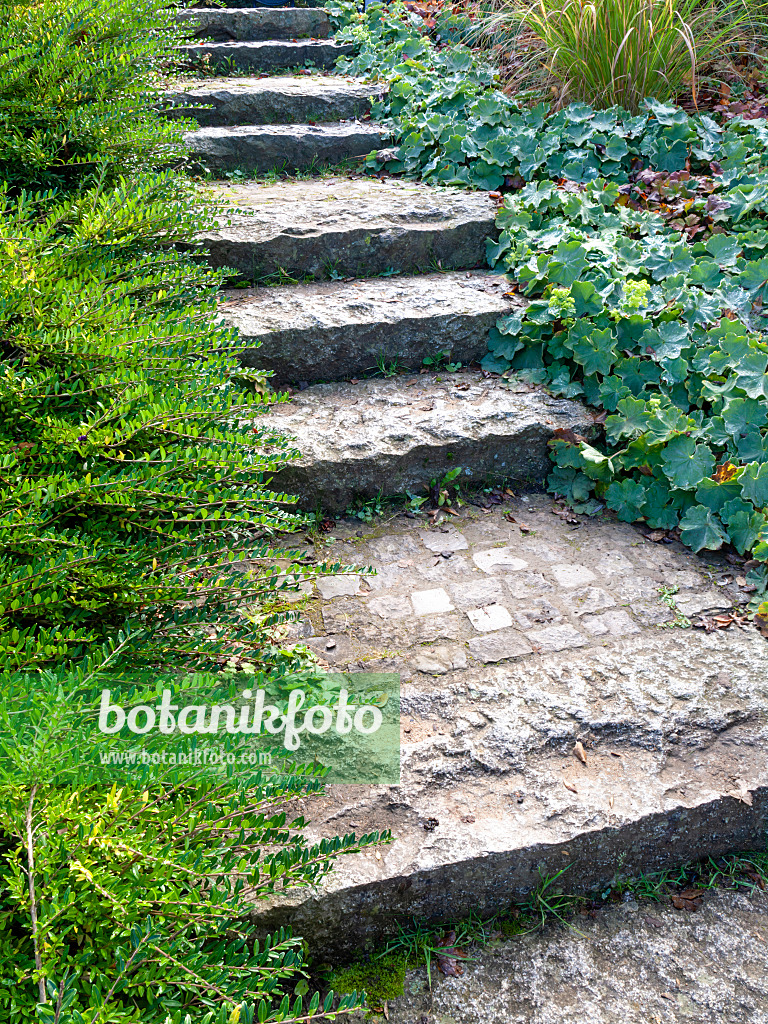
{"x": 588, "y": 302}
{"x": 700, "y": 528}
{"x": 667, "y": 341}
{"x": 572, "y": 484}
{"x": 743, "y": 414}
{"x": 706, "y": 274}
{"x": 626, "y": 498}
{"x": 685, "y": 463}
{"x": 754, "y": 484}
{"x": 658, "y": 514}
{"x": 633, "y": 419}
{"x": 715, "y": 494}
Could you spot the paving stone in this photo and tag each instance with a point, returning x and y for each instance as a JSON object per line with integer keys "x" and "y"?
{"x": 651, "y": 612}
{"x": 282, "y": 147}
{"x": 304, "y": 99}
{"x": 489, "y": 618}
{"x": 439, "y": 660}
{"x": 355, "y": 227}
{"x": 496, "y": 714}
{"x": 539, "y": 613}
{"x": 475, "y": 593}
{"x": 450, "y": 540}
{"x": 269, "y": 55}
{"x": 615, "y": 623}
{"x": 431, "y": 602}
{"x": 376, "y": 437}
{"x": 556, "y": 638}
{"x": 572, "y": 575}
{"x": 589, "y": 600}
{"x": 335, "y": 330}
{"x": 338, "y": 586}
{"x": 525, "y": 584}
{"x": 494, "y": 558}
{"x": 258, "y": 23}
{"x": 390, "y": 606}
{"x": 692, "y": 604}
{"x": 507, "y": 644}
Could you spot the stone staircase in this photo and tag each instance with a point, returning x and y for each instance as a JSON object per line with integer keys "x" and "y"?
{"x": 540, "y": 631}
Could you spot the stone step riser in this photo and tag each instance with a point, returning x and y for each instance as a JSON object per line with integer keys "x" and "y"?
{"x": 231, "y": 58}
{"x": 304, "y": 100}
{"x": 335, "y": 331}
{"x": 256, "y": 24}
{"x": 386, "y": 437}
{"x": 352, "y": 228}
{"x": 282, "y": 147}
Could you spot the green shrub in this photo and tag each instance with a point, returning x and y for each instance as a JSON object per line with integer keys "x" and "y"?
{"x": 77, "y": 86}
{"x": 126, "y": 900}
{"x": 134, "y": 470}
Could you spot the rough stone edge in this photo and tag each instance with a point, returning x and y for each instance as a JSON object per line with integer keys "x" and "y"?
{"x": 487, "y": 885}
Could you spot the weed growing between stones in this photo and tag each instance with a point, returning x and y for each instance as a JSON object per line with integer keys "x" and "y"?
{"x": 640, "y": 240}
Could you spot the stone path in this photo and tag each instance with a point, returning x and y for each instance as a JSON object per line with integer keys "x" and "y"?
{"x": 635, "y": 964}
{"x": 517, "y": 633}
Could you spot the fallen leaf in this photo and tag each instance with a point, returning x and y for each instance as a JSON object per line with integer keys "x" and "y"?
{"x": 570, "y": 785}
{"x": 449, "y": 955}
{"x": 742, "y": 794}
{"x": 688, "y": 899}
{"x": 580, "y": 752}
{"x": 610, "y": 801}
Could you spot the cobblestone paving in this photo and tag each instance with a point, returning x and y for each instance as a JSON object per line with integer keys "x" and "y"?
{"x": 483, "y": 589}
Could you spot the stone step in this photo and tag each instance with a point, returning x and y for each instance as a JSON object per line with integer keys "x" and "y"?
{"x": 641, "y": 961}
{"x": 303, "y": 99}
{"x": 352, "y": 227}
{"x": 228, "y": 24}
{"x": 517, "y": 633}
{"x": 267, "y": 56}
{"x": 337, "y": 330}
{"x": 359, "y": 440}
{"x": 283, "y": 147}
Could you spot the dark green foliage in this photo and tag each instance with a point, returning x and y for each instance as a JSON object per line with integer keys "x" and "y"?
{"x": 134, "y": 459}
{"x": 620, "y": 315}
{"x": 453, "y": 127}
{"x": 77, "y": 88}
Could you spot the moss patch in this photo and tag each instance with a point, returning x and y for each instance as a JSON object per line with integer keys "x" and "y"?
{"x": 382, "y": 979}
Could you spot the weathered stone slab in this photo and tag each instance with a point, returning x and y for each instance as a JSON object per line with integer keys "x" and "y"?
{"x": 357, "y": 228}
{"x": 384, "y": 436}
{"x": 674, "y": 722}
{"x": 302, "y": 99}
{"x": 344, "y": 329}
{"x": 267, "y": 55}
{"x": 635, "y": 963}
{"x": 225, "y": 24}
{"x": 283, "y": 147}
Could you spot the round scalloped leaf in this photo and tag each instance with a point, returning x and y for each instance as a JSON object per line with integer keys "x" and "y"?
{"x": 700, "y": 528}
{"x": 685, "y": 463}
